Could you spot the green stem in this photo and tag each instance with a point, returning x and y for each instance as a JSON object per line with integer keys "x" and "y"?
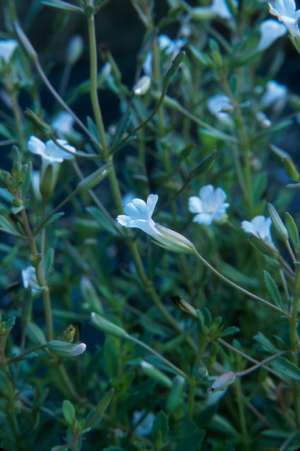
{"x": 294, "y": 340}
{"x": 238, "y": 287}
{"x": 40, "y": 274}
{"x": 242, "y": 415}
{"x": 148, "y": 286}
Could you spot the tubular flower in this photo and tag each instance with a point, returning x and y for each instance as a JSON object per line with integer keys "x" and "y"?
{"x": 138, "y": 214}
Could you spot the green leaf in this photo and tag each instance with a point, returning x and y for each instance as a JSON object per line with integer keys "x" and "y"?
{"x": 188, "y": 434}
{"x": 265, "y": 343}
{"x": 103, "y": 220}
{"x": 60, "y": 4}
{"x": 292, "y": 229}
{"x": 69, "y": 412}
{"x": 286, "y": 368}
{"x": 7, "y": 226}
{"x": 96, "y": 415}
{"x": 273, "y": 290}
{"x": 35, "y": 334}
{"x": 160, "y": 430}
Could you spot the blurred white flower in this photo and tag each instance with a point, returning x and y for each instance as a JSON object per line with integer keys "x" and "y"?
{"x": 171, "y": 48}
{"x": 142, "y": 86}
{"x": 260, "y": 226}
{"x": 275, "y": 95}
{"x": 219, "y": 105}
{"x": 270, "y": 30}
{"x": 222, "y": 382}
{"x": 29, "y": 279}
{"x": 74, "y": 49}
{"x": 144, "y": 428}
{"x": 7, "y": 48}
{"x": 138, "y": 214}
{"x": 63, "y": 123}
{"x": 209, "y": 206}
{"x": 285, "y": 11}
{"x": 263, "y": 119}
{"x": 220, "y": 8}
{"x": 50, "y": 152}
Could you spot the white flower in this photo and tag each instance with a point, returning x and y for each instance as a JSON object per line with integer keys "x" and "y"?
{"x": 29, "y": 279}
{"x": 142, "y": 86}
{"x": 138, "y": 214}
{"x": 7, "y": 49}
{"x": 209, "y": 206}
{"x": 63, "y": 123}
{"x": 220, "y": 8}
{"x": 170, "y": 47}
{"x": 263, "y": 119}
{"x": 285, "y": 11}
{"x": 49, "y": 151}
{"x": 275, "y": 95}
{"x": 260, "y": 226}
{"x": 145, "y": 426}
{"x": 270, "y": 30}
{"x": 219, "y": 105}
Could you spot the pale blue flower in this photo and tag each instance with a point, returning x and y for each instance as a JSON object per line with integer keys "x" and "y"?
{"x": 270, "y": 31}
{"x": 50, "y": 152}
{"x": 260, "y": 226}
{"x": 142, "y": 85}
{"x": 219, "y": 105}
{"x": 7, "y": 48}
{"x": 29, "y": 279}
{"x": 168, "y": 46}
{"x": 138, "y": 214}
{"x": 285, "y": 11}
{"x": 275, "y": 95}
{"x": 209, "y": 206}
{"x": 220, "y": 8}
{"x": 63, "y": 123}
{"x": 145, "y": 426}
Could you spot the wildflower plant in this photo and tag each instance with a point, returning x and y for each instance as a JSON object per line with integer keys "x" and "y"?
{"x": 149, "y": 224}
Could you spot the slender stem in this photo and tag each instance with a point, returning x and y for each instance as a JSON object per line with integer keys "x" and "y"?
{"x": 148, "y": 286}
{"x": 40, "y": 274}
{"x": 294, "y": 340}
{"x": 242, "y": 415}
{"x": 238, "y": 287}
{"x": 158, "y": 355}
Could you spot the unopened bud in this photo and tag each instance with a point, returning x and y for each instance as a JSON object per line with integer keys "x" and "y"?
{"x": 64, "y": 349}
{"x": 173, "y": 241}
{"x": 278, "y": 223}
{"x": 93, "y": 179}
{"x": 74, "y": 49}
{"x": 156, "y": 374}
{"x": 223, "y": 381}
{"x": 108, "y": 327}
{"x": 142, "y": 86}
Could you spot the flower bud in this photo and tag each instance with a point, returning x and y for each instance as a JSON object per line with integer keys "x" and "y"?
{"x": 64, "y": 349}
{"x": 278, "y": 223}
{"x": 142, "y": 86}
{"x": 223, "y": 381}
{"x": 173, "y": 241}
{"x": 155, "y": 374}
{"x": 108, "y": 327}
{"x": 93, "y": 179}
{"x": 48, "y": 180}
{"x": 74, "y": 49}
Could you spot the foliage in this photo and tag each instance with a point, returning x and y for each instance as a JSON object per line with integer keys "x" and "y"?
{"x": 182, "y": 335}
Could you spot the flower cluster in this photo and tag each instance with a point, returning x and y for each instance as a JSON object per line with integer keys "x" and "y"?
{"x": 209, "y": 206}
